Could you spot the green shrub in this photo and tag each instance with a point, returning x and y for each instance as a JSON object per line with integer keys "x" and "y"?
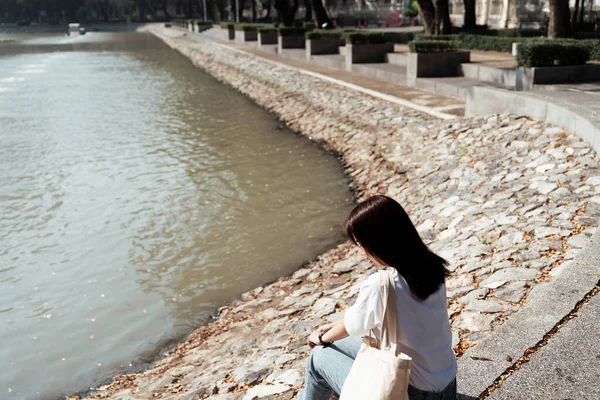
{"x": 267, "y": 29}
{"x": 432, "y": 46}
{"x": 412, "y": 10}
{"x": 488, "y": 43}
{"x": 247, "y": 27}
{"x": 423, "y": 36}
{"x": 227, "y": 25}
{"x": 291, "y": 31}
{"x": 204, "y": 23}
{"x": 365, "y": 38}
{"x": 319, "y": 34}
{"x": 593, "y": 46}
{"x": 546, "y": 53}
{"x": 398, "y": 37}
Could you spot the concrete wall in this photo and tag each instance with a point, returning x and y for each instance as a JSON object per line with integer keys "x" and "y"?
{"x": 323, "y": 46}
{"x": 246, "y": 36}
{"x": 267, "y": 38}
{"x": 485, "y": 100}
{"x": 429, "y": 65}
{"x": 290, "y": 42}
{"x": 366, "y": 53}
{"x": 528, "y": 77}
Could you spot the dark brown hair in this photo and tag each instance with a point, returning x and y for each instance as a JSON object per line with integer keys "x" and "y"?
{"x": 383, "y": 229}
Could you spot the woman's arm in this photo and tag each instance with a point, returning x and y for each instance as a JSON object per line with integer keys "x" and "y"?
{"x": 333, "y": 332}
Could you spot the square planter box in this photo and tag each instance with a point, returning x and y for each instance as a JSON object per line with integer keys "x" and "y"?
{"x": 290, "y": 42}
{"x": 528, "y": 77}
{"x": 267, "y": 38}
{"x": 366, "y": 53}
{"x": 430, "y": 65}
{"x": 245, "y": 36}
{"x": 323, "y": 46}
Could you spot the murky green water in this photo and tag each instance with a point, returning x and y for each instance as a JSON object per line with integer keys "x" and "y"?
{"x": 137, "y": 194}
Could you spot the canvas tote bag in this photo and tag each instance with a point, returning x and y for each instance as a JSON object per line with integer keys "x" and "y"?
{"x": 379, "y": 372}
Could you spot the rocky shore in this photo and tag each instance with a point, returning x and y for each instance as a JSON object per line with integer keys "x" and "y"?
{"x": 507, "y": 200}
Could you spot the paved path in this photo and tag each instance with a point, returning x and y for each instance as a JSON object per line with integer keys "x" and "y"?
{"x": 585, "y": 96}
{"x": 421, "y": 97}
{"x": 568, "y": 367}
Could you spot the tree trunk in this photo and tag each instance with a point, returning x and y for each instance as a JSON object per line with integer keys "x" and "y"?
{"x": 560, "y": 23}
{"x": 269, "y": 6}
{"x": 581, "y": 11}
{"x": 575, "y": 12}
{"x": 242, "y": 4}
{"x": 427, "y": 11}
{"x": 323, "y": 20}
{"x": 442, "y": 17}
{"x": 308, "y": 15}
{"x": 253, "y": 10}
{"x": 469, "y": 22}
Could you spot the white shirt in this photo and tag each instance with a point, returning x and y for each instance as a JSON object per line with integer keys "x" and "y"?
{"x": 423, "y": 330}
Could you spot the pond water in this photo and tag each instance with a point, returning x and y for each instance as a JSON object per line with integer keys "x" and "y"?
{"x": 137, "y": 194}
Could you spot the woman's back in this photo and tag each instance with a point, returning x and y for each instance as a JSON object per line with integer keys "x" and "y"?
{"x": 423, "y": 329}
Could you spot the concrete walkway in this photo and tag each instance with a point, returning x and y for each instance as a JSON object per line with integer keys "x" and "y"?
{"x": 436, "y": 102}
{"x": 567, "y": 367}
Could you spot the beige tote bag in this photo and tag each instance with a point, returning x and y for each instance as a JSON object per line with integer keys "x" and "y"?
{"x": 380, "y": 373}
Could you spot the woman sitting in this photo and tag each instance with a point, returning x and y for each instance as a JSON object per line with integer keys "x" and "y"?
{"x": 387, "y": 237}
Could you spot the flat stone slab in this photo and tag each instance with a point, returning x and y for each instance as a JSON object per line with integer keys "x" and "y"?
{"x": 567, "y": 367}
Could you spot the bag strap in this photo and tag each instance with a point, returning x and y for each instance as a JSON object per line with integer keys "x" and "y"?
{"x": 389, "y": 325}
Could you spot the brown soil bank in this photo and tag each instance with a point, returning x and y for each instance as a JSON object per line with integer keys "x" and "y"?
{"x": 503, "y": 198}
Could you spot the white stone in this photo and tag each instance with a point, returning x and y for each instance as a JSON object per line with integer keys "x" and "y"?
{"x": 545, "y": 231}
{"x": 291, "y": 377}
{"x": 493, "y": 285}
{"x": 473, "y": 321}
{"x": 511, "y": 274}
{"x": 266, "y": 392}
{"x": 578, "y": 241}
{"x": 545, "y": 187}
{"x": 594, "y": 181}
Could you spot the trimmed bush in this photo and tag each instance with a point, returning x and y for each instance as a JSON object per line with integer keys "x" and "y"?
{"x": 398, "y": 37}
{"x": 365, "y": 38}
{"x": 291, "y": 31}
{"x": 227, "y": 25}
{"x": 547, "y": 53}
{"x": 489, "y": 43}
{"x": 319, "y": 34}
{"x": 432, "y": 46}
{"x": 247, "y": 27}
{"x": 204, "y": 23}
{"x": 267, "y": 29}
{"x": 423, "y": 36}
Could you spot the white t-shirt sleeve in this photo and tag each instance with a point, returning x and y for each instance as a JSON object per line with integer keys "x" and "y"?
{"x": 367, "y": 311}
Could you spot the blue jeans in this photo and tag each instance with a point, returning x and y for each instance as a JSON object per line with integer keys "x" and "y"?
{"x": 328, "y": 367}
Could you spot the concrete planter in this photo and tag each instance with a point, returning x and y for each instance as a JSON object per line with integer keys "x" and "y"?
{"x": 528, "y": 77}
{"x": 366, "y": 53}
{"x": 290, "y": 42}
{"x": 266, "y": 38}
{"x": 323, "y": 46}
{"x": 430, "y": 65}
{"x": 246, "y": 36}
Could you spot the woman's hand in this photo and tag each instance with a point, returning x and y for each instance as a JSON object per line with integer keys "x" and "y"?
{"x": 313, "y": 339}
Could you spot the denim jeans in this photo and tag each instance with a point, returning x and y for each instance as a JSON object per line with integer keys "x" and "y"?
{"x": 328, "y": 367}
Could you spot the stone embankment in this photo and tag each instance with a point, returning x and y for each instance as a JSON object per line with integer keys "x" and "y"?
{"x": 505, "y": 199}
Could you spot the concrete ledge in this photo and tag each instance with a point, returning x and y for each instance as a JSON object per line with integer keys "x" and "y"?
{"x": 290, "y": 42}
{"x": 546, "y": 305}
{"x": 366, "y": 53}
{"x": 246, "y": 36}
{"x": 266, "y": 38}
{"x": 486, "y": 100}
{"x": 334, "y": 61}
{"x": 396, "y": 59}
{"x": 323, "y": 46}
{"x": 528, "y": 77}
{"x": 502, "y": 76}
